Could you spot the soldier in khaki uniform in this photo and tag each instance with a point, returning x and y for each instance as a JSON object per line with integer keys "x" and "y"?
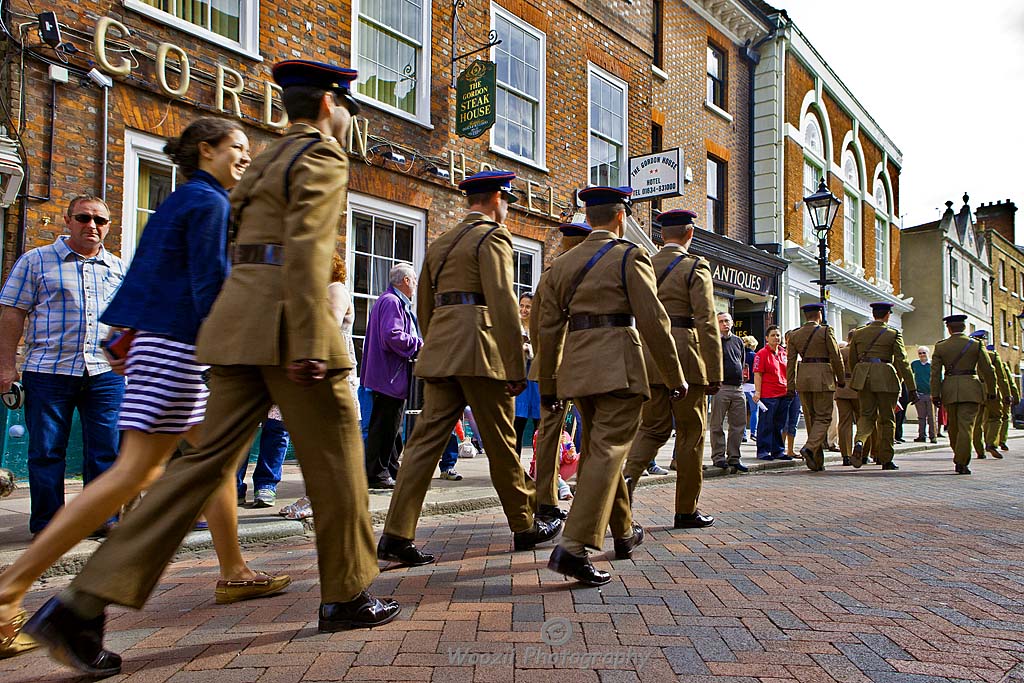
{"x": 686, "y": 291}
{"x": 270, "y": 338}
{"x": 472, "y": 354}
{"x": 880, "y": 360}
{"x": 994, "y": 410}
{"x": 956, "y": 364}
{"x": 547, "y": 453}
{"x": 1004, "y": 425}
{"x": 815, "y": 375}
{"x": 596, "y": 290}
{"x": 848, "y": 402}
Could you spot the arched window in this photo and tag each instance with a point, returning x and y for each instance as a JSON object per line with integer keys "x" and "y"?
{"x": 853, "y": 252}
{"x": 814, "y": 167}
{"x": 881, "y": 233}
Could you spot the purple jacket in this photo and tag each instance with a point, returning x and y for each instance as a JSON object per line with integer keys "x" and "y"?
{"x": 391, "y": 340}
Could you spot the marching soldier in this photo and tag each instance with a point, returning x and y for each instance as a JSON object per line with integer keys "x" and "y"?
{"x": 547, "y": 454}
{"x": 596, "y": 290}
{"x": 686, "y": 291}
{"x": 1004, "y": 427}
{"x": 270, "y": 338}
{"x": 994, "y": 410}
{"x": 956, "y": 364}
{"x": 472, "y": 354}
{"x": 848, "y": 403}
{"x": 880, "y": 361}
{"x": 820, "y": 371}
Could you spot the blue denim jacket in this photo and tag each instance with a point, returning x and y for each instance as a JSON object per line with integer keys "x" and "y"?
{"x": 180, "y": 264}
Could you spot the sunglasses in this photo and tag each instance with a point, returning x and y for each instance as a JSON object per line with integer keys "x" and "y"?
{"x": 84, "y": 218}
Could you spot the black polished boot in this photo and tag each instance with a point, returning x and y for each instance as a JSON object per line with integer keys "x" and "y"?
{"x": 71, "y": 640}
{"x": 565, "y": 563}
{"x": 365, "y": 611}
{"x": 624, "y": 546}
{"x": 549, "y": 513}
{"x": 857, "y": 457}
{"x": 401, "y": 551}
{"x": 692, "y": 521}
{"x": 846, "y": 461}
{"x": 808, "y": 456}
{"x": 540, "y": 531}
{"x": 890, "y": 466}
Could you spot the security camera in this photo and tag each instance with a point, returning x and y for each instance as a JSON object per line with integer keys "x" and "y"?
{"x": 100, "y": 78}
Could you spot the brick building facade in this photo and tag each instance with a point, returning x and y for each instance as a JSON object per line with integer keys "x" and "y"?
{"x": 808, "y": 125}
{"x": 574, "y": 98}
{"x": 996, "y": 224}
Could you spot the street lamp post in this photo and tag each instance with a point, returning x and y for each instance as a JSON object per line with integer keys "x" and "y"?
{"x": 823, "y": 207}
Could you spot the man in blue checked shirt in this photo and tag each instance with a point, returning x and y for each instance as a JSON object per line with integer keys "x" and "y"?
{"x": 61, "y": 289}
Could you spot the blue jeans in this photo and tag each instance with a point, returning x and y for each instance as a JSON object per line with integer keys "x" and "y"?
{"x": 770, "y": 424}
{"x": 793, "y": 417}
{"x": 752, "y": 407}
{"x": 50, "y": 403}
{"x": 269, "y": 463}
{"x": 450, "y": 455}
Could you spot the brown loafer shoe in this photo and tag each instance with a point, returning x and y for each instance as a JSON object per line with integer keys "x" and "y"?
{"x": 228, "y": 592}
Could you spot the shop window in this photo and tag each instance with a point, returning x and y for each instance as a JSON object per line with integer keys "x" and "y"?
{"x": 527, "y": 256}
{"x": 607, "y": 127}
{"x": 380, "y": 234}
{"x": 392, "y": 47}
{"x": 716, "y": 77}
{"x": 715, "y": 218}
{"x": 519, "y": 112}
{"x": 149, "y": 177}
{"x": 231, "y": 23}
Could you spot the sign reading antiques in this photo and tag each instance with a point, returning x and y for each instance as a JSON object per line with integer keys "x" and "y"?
{"x": 656, "y": 175}
{"x": 474, "y": 99}
{"x": 740, "y": 278}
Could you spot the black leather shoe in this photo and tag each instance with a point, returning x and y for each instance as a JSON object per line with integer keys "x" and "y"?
{"x": 740, "y": 467}
{"x": 846, "y": 461}
{"x": 994, "y": 452}
{"x": 694, "y": 521}
{"x": 565, "y": 563}
{"x": 890, "y": 466}
{"x": 857, "y": 457}
{"x": 549, "y": 513}
{"x": 934, "y": 440}
{"x": 624, "y": 546}
{"x": 1004, "y": 447}
{"x": 962, "y": 469}
{"x": 808, "y": 456}
{"x": 920, "y": 439}
{"x": 403, "y": 552}
{"x": 388, "y": 483}
{"x": 71, "y": 640}
{"x": 365, "y": 611}
{"x": 980, "y": 456}
{"x": 540, "y": 531}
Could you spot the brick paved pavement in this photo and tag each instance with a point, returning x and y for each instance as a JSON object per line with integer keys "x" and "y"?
{"x": 914, "y": 576}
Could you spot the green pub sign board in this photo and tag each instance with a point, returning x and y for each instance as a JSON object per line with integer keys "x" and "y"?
{"x": 474, "y": 99}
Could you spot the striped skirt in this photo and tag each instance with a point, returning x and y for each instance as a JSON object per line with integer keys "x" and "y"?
{"x": 165, "y": 392}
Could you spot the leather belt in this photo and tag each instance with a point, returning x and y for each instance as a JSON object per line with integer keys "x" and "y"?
{"x": 267, "y": 254}
{"x": 459, "y": 298}
{"x": 683, "y": 321}
{"x": 961, "y": 373}
{"x": 591, "y": 322}
{"x": 874, "y": 360}
{"x": 815, "y": 360}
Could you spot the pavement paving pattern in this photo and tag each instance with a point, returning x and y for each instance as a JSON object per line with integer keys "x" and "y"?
{"x": 915, "y": 576}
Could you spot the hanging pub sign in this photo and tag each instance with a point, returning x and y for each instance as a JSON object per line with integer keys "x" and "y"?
{"x": 474, "y": 99}
{"x": 656, "y": 175}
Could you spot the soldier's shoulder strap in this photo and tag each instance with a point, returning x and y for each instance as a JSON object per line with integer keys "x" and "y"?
{"x": 598, "y": 255}
{"x": 810, "y": 337}
{"x": 968, "y": 345}
{"x": 671, "y": 266}
{"x": 625, "y": 257}
{"x": 487, "y": 234}
{"x": 864, "y": 355}
{"x": 447, "y": 252}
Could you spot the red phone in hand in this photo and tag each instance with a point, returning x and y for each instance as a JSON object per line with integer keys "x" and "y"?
{"x": 118, "y": 343}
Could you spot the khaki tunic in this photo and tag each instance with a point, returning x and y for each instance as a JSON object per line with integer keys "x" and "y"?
{"x": 603, "y": 369}
{"x": 880, "y": 362}
{"x": 816, "y": 381}
{"x": 961, "y": 394}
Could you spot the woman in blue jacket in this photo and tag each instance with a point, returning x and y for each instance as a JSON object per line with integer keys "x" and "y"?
{"x": 177, "y": 272}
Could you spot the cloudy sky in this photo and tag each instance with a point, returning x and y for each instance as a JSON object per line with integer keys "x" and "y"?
{"x": 945, "y": 80}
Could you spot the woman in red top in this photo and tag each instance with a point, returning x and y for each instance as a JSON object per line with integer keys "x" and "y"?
{"x": 770, "y": 391}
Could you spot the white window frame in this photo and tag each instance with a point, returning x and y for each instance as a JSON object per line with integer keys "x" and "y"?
{"x": 248, "y": 43}
{"x": 882, "y": 237}
{"x": 855, "y": 194}
{"x": 423, "y": 70}
{"x": 594, "y": 70}
{"x": 535, "y": 249}
{"x": 813, "y": 160}
{"x": 540, "y": 137}
{"x": 138, "y": 146}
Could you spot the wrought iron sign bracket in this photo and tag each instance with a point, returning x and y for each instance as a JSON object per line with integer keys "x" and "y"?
{"x": 492, "y": 38}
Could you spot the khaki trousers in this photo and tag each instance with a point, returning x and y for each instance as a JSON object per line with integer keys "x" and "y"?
{"x": 1004, "y": 425}
{"x": 322, "y": 423}
{"x": 993, "y": 422}
{"x": 656, "y": 419}
{"x": 960, "y": 425}
{"x": 817, "y": 407}
{"x": 443, "y": 403}
{"x": 609, "y": 425}
{"x": 548, "y": 454}
{"x": 878, "y": 407}
{"x": 849, "y": 409}
{"x": 982, "y": 430}
{"x": 729, "y": 406}
{"x": 832, "y": 441}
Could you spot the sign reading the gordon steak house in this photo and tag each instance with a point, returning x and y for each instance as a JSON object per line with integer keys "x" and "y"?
{"x": 474, "y": 99}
